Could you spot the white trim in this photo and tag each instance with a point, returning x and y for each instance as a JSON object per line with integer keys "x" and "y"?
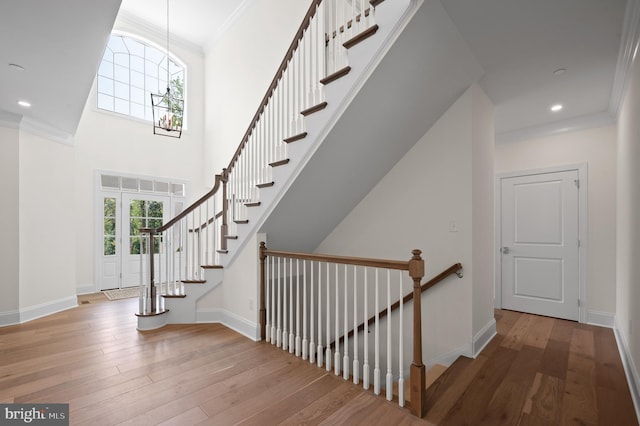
{"x": 46, "y": 131}
{"x": 230, "y": 320}
{"x": 99, "y": 193}
{"x": 601, "y": 319}
{"x": 10, "y": 120}
{"x": 630, "y": 369}
{"x": 628, "y": 48}
{"x": 584, "y": 122}
{"x": 86, "y": 289}
{"x": 9, "y": 318}
{"x": 582, "y": 169}
{"x": 483, "y": 337}
{"x": 451, "y": 356}
{"x": 44, "y": 309}
{"x": 237, "y": 13}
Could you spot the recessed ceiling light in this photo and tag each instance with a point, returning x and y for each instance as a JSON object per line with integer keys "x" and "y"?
{"x": 559, "y": 71}
{"x": 556, "y": 108}
{"x": 16, "y": 67}
{"x": 24, "y": 104}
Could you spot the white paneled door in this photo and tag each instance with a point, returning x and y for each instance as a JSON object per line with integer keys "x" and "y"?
{"x": 540, "y": 244}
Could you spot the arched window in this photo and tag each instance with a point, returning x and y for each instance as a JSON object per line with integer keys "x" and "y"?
{"x": 132, "y": 69}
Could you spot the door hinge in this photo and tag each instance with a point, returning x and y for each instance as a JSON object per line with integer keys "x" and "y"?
{"x": 578, "y": 302}
{"x": 577, "y": 183}
{"x": 579, "y": 243}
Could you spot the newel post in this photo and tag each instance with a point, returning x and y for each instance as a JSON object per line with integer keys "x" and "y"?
{"x": 152, "y": 289}
{"x": 263, "y": 310}
{"x": 224, "y": 228}
{"x": 417, "y": 370}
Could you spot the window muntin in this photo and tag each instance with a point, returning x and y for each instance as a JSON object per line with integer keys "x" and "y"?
{"x": 130, "y": 71}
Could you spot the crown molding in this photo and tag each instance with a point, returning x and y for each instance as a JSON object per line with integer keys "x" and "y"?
{"x": 244, "y": 5}
{"x": 10, "y": 120}
{"x": 583, "y": 122}
{"x": 628, "y": 49}
{"x": 46, "y": 131}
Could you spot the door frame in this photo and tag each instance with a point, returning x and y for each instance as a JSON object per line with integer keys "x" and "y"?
{"x": 100, "y": 191}
{"x": 582, "y": 170}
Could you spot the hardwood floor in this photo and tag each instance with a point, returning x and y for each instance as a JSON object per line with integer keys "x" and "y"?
{"x": 92, "y": 358}
{"x": 536, "y": 371}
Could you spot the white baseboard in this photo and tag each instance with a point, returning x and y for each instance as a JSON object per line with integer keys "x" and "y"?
{"x": 602, "y": 319}
{"x": 230, "y": 320}
{"x": 9, "y": 318}
{"x": 37, "y": 311}
{"x": 483, "y": 337}
{"x": 86, "y": 289}
{"x": 630, "y": 369}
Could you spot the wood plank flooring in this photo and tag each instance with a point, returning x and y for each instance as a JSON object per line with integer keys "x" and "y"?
{"x": 92, "y": 358}
{"x": 537, "y": 371}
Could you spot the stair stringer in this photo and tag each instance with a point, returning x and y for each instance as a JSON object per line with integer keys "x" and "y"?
{"x": 183, "y": 310}
{"x": 391, "y": 17}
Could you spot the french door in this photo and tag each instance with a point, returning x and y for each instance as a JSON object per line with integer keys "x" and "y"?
{"x": 124, "y": 215}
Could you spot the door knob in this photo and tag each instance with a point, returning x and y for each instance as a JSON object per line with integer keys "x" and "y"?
{"x": 505, "y": 250}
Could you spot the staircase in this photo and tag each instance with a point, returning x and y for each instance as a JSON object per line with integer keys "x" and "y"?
{"x": 333, "y": 53}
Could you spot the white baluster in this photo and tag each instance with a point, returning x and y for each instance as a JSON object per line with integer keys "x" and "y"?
{"x": 312, "y": 325}
{"x": 328, "y": 334}
{"x": 268, "y": 299}
{"x": 298, "y": 342}
{"x": 320, "y": 349}
{"x": 345, "y": 338}
{"x": 376, "y": 368}
{"x": 356, "y": 362}
{"x": 365, "y": 366}
{"x": 401, "y": 400}
{"x": 279, "y": 330}
{"x": 286, "y": 305}
{"x": 305, "y": 342}
{"x": 336, "y": 338}
{"x": 274, "y": 316}
{"x": 291, "y": 308}
{"x": 389, "y": 360}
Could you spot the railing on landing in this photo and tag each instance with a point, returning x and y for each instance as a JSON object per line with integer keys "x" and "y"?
{"x": 177, "y": 252}
{"x": 308, "y": 303}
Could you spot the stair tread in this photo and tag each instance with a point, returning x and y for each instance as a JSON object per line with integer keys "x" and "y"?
{"x": 254, "y": 204}
{"x": 360, "y": 37}
{"x": 154, "y": 314}
{"x": 265, "y": 185}
{"x": 297, "y": 137}
{"x": 242, "y": 222}
{"x": 279, "y": 163}
{"x": 211, "y": 266}
{"x": 314, "y": 108}
{"x": 335, "y": 76}
{"x": 223, "y": 251}
{"x": 194, "y": 281}
{"x": 174, "y": 296}
{"x": 231, "y": 237}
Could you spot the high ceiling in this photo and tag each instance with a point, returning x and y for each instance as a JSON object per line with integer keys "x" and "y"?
{"x": 519, "y": 44}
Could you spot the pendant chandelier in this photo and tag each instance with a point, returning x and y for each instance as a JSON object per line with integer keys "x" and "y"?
{"x": 167, "y": 109}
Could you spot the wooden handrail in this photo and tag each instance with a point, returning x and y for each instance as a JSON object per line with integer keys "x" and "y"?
{"x": 186, "y": 211}
{"x": 343, "y": 260}
{"x": 424, "y": 287}
{"x": 274, "y": 83}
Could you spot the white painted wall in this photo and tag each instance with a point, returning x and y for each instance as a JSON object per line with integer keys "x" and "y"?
{"x": 9, "y": 243}
{"x": 483, "y": 216}
{"x": 109, "y": 141}
{"x": 413, "y": 206}
{"x": 597, "y": 148}
{"x": 239, "y": 69}
{"x": 628, "y": 226}
{"x": 47, "y": 224}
